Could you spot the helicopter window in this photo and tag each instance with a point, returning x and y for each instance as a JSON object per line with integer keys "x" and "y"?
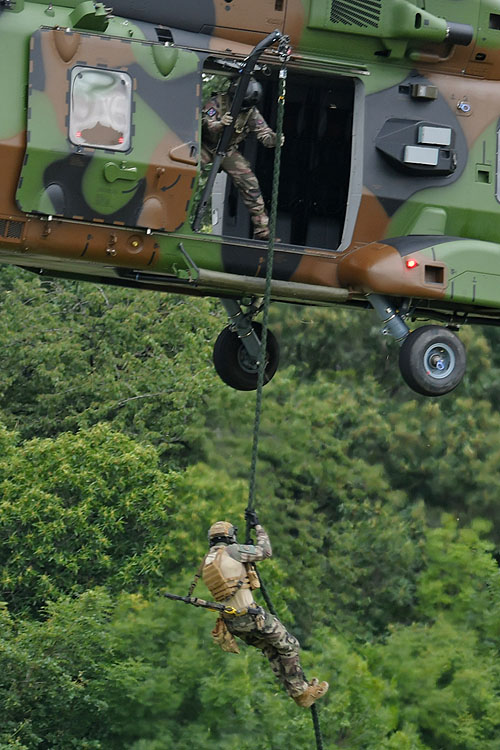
{"x": 101, "y": 108}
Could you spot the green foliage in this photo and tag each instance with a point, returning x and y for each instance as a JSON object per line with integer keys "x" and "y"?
{"x": 373, "y": 557}
{"x": 446, "y": 685}
{"x": 336, "y": 341}
{"x": 339, "y": 508}
{"x": 461, "y": 578}
{"x": 443, "y": 452}
{"x": 78, "y": 511}
{"x": 339, "y": 341}
{"x": 445, "y": 670}
{"x": 126, "y": 449}
{"x": 95, "y": 508}
{"x": 45, "y": 674}
{"x": 74, "y": 354}
{"x": 136, "y": 674}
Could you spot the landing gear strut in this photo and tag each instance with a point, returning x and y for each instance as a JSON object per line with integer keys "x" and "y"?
{"x": 237, "y": 349}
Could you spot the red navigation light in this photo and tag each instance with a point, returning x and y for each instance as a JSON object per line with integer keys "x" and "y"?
{"x": 411, "y": 263}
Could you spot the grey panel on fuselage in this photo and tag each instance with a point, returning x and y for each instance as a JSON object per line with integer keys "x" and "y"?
{"x": 190, "y": 15}
{"x": 190, "y": 39}
{"x": 148, "y": 29}
{"x": 391, "y": 185}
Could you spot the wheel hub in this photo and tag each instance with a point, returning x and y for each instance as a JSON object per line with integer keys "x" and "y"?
{"x": 439, "y": 360}
{"x": 246, "y": 361}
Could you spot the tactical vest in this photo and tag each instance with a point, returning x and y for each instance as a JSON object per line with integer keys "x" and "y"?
{"x": 220, "y": 586}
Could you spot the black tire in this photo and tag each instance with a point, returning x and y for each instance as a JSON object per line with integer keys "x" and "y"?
{"x": 432, "y": 360}
{"x": 233, "y": 364}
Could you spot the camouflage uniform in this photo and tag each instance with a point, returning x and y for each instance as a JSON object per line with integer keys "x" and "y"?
{"x": 262, "y": 631}
{"x": 234, "y": 163}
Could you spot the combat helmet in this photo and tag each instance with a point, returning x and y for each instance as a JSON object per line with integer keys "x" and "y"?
{"x": 222, "y": 532}
{"x": 253, "y": 94}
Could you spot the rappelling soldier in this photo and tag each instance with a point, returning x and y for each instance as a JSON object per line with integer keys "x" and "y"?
{"x": 228, "y": 573}
{"x": 215, "y": 117}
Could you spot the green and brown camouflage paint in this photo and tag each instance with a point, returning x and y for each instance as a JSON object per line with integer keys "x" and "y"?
{"x": 94, "y": 212}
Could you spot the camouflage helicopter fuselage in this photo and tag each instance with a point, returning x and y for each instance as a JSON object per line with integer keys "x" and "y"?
{"x": 393, "y": 130}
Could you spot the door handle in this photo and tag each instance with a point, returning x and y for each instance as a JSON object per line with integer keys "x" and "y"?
{"x": 113, "y": 172}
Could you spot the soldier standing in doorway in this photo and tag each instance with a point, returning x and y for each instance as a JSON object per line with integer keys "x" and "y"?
{"x": 215, "y": 117}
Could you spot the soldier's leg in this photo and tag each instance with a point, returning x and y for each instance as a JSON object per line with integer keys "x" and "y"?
{"x": 248, "y": 186}
{"x": 282, "y": 650}
{"x": 254, "y": 638}
{"x": 207, "y": 156}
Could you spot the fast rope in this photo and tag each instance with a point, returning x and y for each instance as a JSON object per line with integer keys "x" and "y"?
{"x": 284, "y": 53}
{"x": 269, "y": 276}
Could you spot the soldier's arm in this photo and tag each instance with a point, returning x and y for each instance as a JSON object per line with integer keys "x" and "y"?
{"x": 252, "y": 552}
{"x": 263, "y": 132}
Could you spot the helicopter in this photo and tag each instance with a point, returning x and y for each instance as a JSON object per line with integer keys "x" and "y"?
{"x": 388, "y": 199}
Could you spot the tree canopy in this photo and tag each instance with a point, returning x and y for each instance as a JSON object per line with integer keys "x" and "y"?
{"x": 119, "y": 448}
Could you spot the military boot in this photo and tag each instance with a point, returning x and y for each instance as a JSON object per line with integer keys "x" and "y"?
{"x": 314, "y": 690}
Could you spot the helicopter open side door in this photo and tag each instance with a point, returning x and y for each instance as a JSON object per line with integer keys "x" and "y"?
{"x": 113, "y": 130}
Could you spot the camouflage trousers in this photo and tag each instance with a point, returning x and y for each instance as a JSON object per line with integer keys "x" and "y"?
{"x": 277, "y": 644}
{"x": 238, "y": 168}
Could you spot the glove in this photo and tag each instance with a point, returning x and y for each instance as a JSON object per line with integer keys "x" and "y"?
{"x": 251, "y": 517}
{"x": 226, "y": 119}
{"x": 282, "y": 139}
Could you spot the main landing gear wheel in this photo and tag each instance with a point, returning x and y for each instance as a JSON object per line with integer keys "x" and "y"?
{"x": 236, "y": 367}
{"x": 432, "y": 360}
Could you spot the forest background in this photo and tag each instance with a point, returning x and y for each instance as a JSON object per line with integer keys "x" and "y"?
{"x": 120, "y": 446}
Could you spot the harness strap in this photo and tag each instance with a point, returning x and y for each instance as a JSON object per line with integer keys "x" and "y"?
{"x": 197, "y": 576}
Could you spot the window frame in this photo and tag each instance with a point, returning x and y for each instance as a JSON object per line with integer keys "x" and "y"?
{"x": 122, "y": 75}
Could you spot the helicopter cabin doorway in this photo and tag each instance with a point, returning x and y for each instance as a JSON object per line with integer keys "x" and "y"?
{"x": 318, "y": 181}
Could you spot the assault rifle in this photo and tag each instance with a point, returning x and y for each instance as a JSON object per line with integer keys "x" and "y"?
{"x": 215, "y": 606}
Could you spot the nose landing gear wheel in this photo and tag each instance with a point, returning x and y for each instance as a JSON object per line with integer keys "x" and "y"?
{"x": 432, "y": 360}
{"x": 236, "y": 367}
